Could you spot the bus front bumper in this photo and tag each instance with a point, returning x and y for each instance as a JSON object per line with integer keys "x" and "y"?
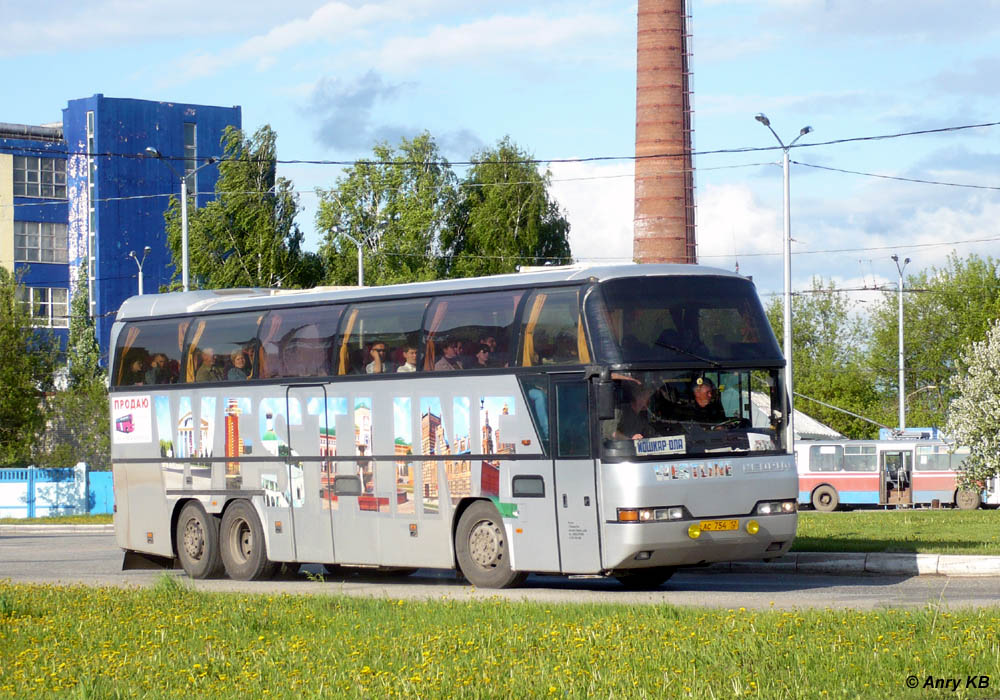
{"x": 690, "y": 543}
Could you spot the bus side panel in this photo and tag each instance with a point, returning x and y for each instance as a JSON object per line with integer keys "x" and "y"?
{"x": 148, "y": 511}
{"x": 928, "y": 486}
{"x": 852, "y": 488}
{"x": 119, "y": 480}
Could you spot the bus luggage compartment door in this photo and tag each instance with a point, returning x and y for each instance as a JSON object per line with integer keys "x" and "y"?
{"x": 575, "y": 479}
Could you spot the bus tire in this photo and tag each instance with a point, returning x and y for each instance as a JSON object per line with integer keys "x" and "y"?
{"x": 645, "y": 579}
{"x": 825, "y": 498}
{"x": 482, "y": 549}
{"x": 242, "y": 544}
{"x": 197, "y": 537}
{"x": 967, "y": 500}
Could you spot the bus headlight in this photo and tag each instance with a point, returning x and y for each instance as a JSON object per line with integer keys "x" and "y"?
{"x": 776, "y": 507}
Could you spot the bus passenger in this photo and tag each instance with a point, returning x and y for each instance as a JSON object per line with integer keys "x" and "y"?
{"x": 158, "y": 372}
{"x": 379, "y": 364}
{"x": 634, "y": 423}
{"x": 134, "y": 375}
{"x": 481, "y": 360}
{"x": 207, "y": 371}
{"x": 449, "y": 356}
{"x": 410, "y": 360}
{"x": 238, "y": 372}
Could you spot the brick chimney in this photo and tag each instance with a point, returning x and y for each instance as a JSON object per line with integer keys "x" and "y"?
{"x": 664, "y": 186}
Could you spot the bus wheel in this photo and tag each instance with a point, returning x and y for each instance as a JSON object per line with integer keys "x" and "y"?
{"x": 197, "y": 537}
{"x": 645, "y": 579}
{"x": 242, "y": 544}
{"x": 482, "y": 548}
{"x": 825, "y": 498}
{"x": 967, "y": 500}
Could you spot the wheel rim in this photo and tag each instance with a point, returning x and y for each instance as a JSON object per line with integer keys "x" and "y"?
{"x": 194, "y": 539}
{"x": 486, "y": 544}
{"x": 243, "y": 540}
{"x": 824, "y": 498}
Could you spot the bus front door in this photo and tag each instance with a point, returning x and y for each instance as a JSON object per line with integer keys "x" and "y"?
{"x": 895, "y": 471}
{"x": 575, "y": 478}
{"x": 308, "y": 474}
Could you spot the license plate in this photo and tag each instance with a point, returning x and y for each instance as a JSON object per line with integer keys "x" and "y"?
{"x": 719, "y": 525}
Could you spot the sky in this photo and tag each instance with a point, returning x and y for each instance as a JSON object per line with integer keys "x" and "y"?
{"x": 334, "y": 78}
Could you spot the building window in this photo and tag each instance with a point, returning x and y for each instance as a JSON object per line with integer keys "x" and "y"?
{"x": 39, "y": 177}
{"x": 48, "y": 306}
{"x": 38, "y": 241}
{"x": 190, "y": 157}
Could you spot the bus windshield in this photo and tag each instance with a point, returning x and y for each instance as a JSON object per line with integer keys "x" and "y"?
{"x": 682, "y": 318}
{"x": 693, "y": 412}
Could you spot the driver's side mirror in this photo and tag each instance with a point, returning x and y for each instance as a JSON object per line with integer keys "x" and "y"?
{"x": 605, "y": 399}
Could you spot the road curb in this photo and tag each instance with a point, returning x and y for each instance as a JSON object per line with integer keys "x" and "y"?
{"x": 829, "y": 563}
{"x": 877, "y": 563}
{"x": 54, "y": 529}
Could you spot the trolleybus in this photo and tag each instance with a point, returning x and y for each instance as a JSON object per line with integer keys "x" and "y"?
{"x": 580, "y": 420}
{"x": 883, "y": 473}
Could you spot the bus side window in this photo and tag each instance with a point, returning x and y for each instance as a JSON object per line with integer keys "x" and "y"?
{"x": 552, "y": 329}
{"x": 536, "y": 391}
{"x": 148, "y": 353}
{"x": 298, "y": 342}
{"x": 572, "y": 416}
{"x": 474, "y": 322}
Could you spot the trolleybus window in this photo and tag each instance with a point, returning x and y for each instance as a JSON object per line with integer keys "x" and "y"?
{"x": 860, "y": 458}
{"x": 825, "y": 458}
{"x": 299, "y": 342}
{"x": 940, "y": 458}
{"x": 552, "y": 329}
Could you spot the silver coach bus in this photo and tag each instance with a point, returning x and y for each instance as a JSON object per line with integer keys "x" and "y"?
{"x": 622, "y": 420}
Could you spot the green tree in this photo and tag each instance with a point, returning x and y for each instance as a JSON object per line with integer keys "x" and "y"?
{"x": 945, "y": 310}
{"x": 79, "y": 418}
{"x": 827, "y": 354}
{"x": 395, "y": 205}
{"x": 246, "y": 236}
{"x": 505, "y": 217}
{"x": 973, "y": 417}
{"x": 27, "y": 364}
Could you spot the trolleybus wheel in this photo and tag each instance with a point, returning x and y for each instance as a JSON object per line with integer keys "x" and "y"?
{"x": 482, "y": 548}
{"x": 645, "y": 579}
{"x": 197, "y": 537}
{"x": 967, "y": 500}
{"x": 825, "y": 498}
{"x": 242, "y": 544}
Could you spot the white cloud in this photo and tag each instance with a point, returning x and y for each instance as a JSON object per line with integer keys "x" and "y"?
{"x": 495, "y": 36}
{"x": 598, "y": 200}
{"x": 732, "y": 222}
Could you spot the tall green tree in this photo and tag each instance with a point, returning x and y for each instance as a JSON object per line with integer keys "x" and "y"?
{"x": 246, "y": 236}
{"x": 945, "y": 310}
{"x": 827, "y": 353}
{"x": 505, "y": 217}
{"x": 79, "y": 419}
{"x": 395, "y": 205}
{"x": 27, "y": 365}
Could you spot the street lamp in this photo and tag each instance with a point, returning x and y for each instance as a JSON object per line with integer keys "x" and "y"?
{"x": 762, "y": 118}
{"x": 145, "y": 251}
{"x": 184, "y": 211}
{"x": 361, "y": 262}
{"x": 902, "y": 380}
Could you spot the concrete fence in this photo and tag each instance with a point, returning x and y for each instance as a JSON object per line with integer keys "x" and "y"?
{"x": 35, "y": 493}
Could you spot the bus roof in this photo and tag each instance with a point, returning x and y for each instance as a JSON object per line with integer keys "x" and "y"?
{"x": 177, "y": 303}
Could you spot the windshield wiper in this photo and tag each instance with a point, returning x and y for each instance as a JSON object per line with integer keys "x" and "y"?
{"x": 668, "y": 346}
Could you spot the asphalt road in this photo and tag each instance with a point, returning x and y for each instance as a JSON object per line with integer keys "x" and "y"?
{"x": 95, "y": 560}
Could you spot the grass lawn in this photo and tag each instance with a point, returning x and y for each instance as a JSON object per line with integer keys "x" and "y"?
{"x": 925, "y": 531}
{"x": 170, "y": 641}
{"x": 98, "y": 519}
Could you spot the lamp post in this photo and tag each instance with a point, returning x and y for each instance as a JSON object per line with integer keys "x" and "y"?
{"x": 361, "y": 262}
{"x": 762, "y": 118}
{"x": 184, "y": 211}
{"x": 145, "y": 251}
{"x": 902, "y": 379}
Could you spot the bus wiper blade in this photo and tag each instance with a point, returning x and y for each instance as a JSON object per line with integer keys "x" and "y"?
{"x": 668, "y": 346}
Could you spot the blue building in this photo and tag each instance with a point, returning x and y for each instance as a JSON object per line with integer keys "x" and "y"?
{"x": 86, "y": 191}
